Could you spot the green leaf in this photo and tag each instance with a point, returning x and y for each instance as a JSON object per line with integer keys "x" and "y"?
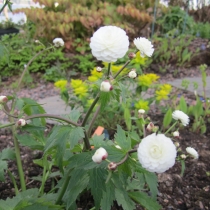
{"x": 123, "y": 199}
{"x": 29, "y": 141}
{"x": 3, "y": 166}
{"x": 76, "y": 135}
{"x": 58, "y": 138}
{"x": 127, "y": 117}
{"x": 104, "y": 99}
{"x": 78, "y": 182}
{"x": 108, "y": 196}
{"x": 74, "y": 115}
{"x": 183, "y": 105}
{"x": 152, "y": 181}
{"x": 7, "y": 154}
{"x": 97, "y": 184}
{"x": 121, "y": 139}
{"x": 144, "y": 200}
{"x": 167, "y": 118}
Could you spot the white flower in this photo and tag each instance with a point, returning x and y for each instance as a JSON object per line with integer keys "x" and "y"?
{"x": 106, "y": 86}
{"x": 132, "y": 74}
{"x": 157, "y": 153}
{"x": 21, "y": 122}
{"x": 176, "y": 133}
{"x": 179, "y": 115}
{"x": 3, "y": 99}
{"x": 109, "y": 43}
{"x": 100, "y": 154}
{"x": 144, "y": 46}
{"x": 56, "y": 4}
{"x": 98, "y": 69}
{"x": 192, "y": 152}
{"x": 58, "y": 42}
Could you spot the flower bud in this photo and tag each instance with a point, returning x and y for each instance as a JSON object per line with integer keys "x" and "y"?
{"x": 112, "y": 166}
{"x": 183, "y": 156}
{"x": 131, "y": 55}
{"x": 176, "y": 134}
{"x": 21, "y": 122}
{"x": 132, "y": 74}
{"x": 99, "y": 155}
{"x": 3, "y": 99}
{"x": 56, "y": 4}
{"x": 150, "y": 126}
{"x": 106, "y": 86}
{"x": 141, "y": 111}
{"x": 98, "y": 69}
{"x": 176, "y": 144}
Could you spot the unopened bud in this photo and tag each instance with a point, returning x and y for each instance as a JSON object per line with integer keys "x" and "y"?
{"x": 183, "y": 156}
{"x": 21, "y": 122}
{"x": 132, "y": 74}
{"x": 98, "y": 69}
{"x": 150, "y": 126}
{"x": 112, "y": 166}
{"x": 56, "y": 4}
{"x": 100, "y": 155}
{"x": 106, "y": 86}
{"x": 141, "y": 113}
{"x": 176, "y": 134}
{"x": 3, "y": 99}
{"x": 176, "y": 144}
{"x": 131, "y": 55}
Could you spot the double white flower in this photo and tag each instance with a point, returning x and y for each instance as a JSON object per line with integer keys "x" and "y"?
{"x": 157, "y": 153}
{"x": 58, "y": 42}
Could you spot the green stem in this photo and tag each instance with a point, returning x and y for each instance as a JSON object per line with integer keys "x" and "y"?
{"x": 7, "y": 1}
{"x": 121, "y": 69}
{"x": 44, "y": 177}
{"x": 13, "y": 181}
{"x": 86, "y": 141}
{"x": 108, "y": 177}
{"x": 63, "y": 189}
{"x": 109, "y": 69}
{"x": 51, "y": 116}
{"x": 7, "y": 125}
{"x": 171, "y": 127}
{"x": 93, "y": 120}
{"x": 17, "y": 152}
{"x": 90, "y": 110}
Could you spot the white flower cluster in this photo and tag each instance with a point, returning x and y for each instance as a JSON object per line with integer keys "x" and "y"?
{"x": 157, "y": 153}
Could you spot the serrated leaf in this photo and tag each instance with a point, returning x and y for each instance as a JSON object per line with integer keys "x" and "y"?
{"x": 58, "y": 138}
{"x": 7, "y": 154}
{"x": 123, "y": 199}
{"x": 74, "y": 115}
{"x": 121, "y": 139}
{"x": 3, "y": 166}
{"x": 29, "y": 141}
{"x": 78, "y": 182}
{"x": 108, "y": 196}
{"x": 152, "y": 181}
{"x": 76, "y": 134}
{"x": 167, "y": 118}
{"x": 104, "y": 99}
{"x": 97, "y": 184}
{"x": 144, "y": 200}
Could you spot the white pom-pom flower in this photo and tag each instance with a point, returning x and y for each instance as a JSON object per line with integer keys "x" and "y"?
{"x": 144, "y": 46}
{"x": 3, "y": 99}
{"x": 192, "y": 152}
{"x": 58, "y": 42}
{"x": 132, "y": 74}
{"x": 21, "y": 122}
{"x": 100, "y": 155}
{"x": 106, "y": 86}
{"x": 157, "y": 153}
{"x": 109, "y": 43}
{"x": 179, "y": 115}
